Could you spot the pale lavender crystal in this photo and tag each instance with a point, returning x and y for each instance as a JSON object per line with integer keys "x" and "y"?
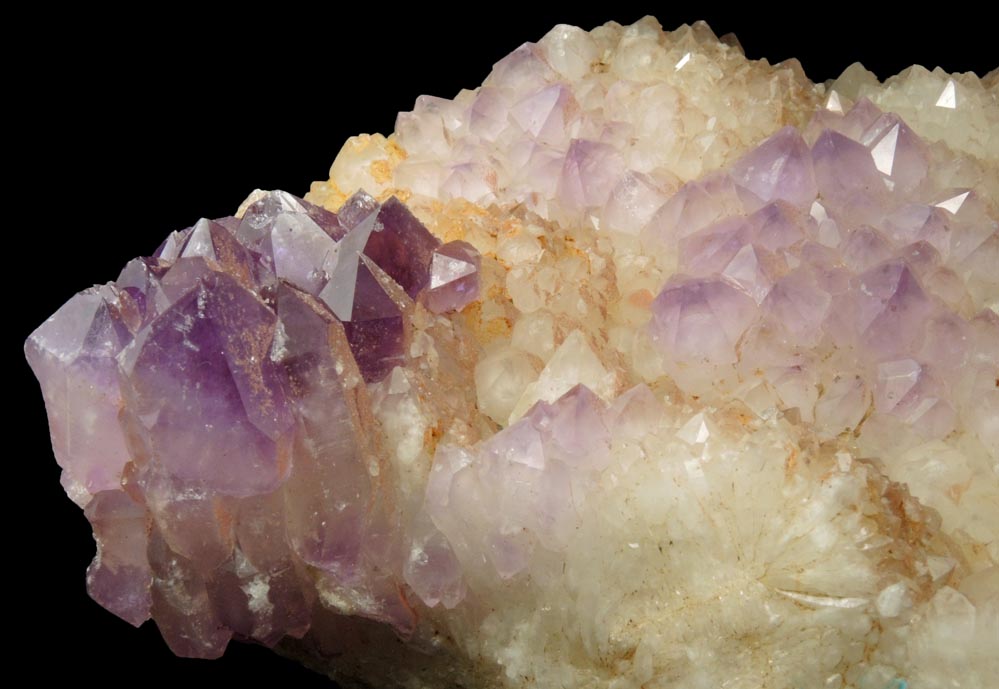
{"x": 855, "y": 259}
{"x": 527, "y": 482}
{"x": 632, "y": 203}
{"x": 432, "y": 570}
{"x": 898, "y": 153}
{"x": 73, "y": 355}
{"x": 120, "y": 578}
{"x": 700, "y": 321}
{"x": 304, "y": 254}
{"x": 454, "y": 277}
{"x": 588, "y": 176}
{"x": 254, "y": 229}
{"x": 891, "y": 308}
{"x": 356, "y": 209}
{"x": 779, "y": 168}
{"x": 848, "y": 179}
{"x": 544, "y": 115}
{"x": 207, "y": 410}
{"x": 698, "y": 205}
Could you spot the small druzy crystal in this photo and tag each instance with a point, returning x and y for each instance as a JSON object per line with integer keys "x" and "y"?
{"x": 670, "y": 368}
{"x": 454, "y": 279}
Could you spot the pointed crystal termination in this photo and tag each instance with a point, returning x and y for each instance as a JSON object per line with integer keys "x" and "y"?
{"x": 73, "y": 356}
{"x": 780, "y": 168}
{"x": 209, "y": 413}
{"x": 771, "y": 292}
{"x": 454, "y": 277}
{"x": 402, "y": 247}
{"x": 375, "y": 326}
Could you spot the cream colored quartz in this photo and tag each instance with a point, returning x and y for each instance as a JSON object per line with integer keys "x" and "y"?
{"x": 744, "y": 531}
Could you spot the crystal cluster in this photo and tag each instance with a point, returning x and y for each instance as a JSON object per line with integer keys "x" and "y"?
{"x": 210, "y": 413}
{"x": 643, "y": 364}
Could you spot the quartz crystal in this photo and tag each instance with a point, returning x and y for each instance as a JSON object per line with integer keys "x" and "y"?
{"x": 642, "y": 364}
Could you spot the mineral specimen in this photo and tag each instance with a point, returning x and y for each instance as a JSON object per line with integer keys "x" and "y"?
{"x": 643, "y": 364}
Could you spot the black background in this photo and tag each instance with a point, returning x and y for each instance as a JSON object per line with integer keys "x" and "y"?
{"x": 136, "y": 126}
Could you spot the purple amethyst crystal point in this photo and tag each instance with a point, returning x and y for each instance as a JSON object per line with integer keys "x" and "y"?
{"x": 340, "y": 291}
{"x": 292, "y": 238}
{"x": 73, "y": 356}
{"x": 364, "y": 302}
{"x": 206, "y": 359}
{"x": 304, "y": 254}
{"x": 209, "y": 413}
{"x": 169, "y": 250}
{"x": 120, "y": 578}
{"x": 454, "y": 277}
{"x": 375, "y": 328}
{"x": 847, "y": 177}
{"x": 697, "y": 320}
{"x": 897, "y": 152}
{"x": 335, "y": 509}
{"x": 254, "y": 229}
{"x": 402, "y": 247}
{"x": 779, "y": 168}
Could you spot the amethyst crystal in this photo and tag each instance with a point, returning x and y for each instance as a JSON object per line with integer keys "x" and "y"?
{"x": 208, "y": 412}
{"x": 454, "y": 277}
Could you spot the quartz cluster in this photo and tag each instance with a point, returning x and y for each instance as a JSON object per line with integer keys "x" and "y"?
{"x": 209, "y": 411}
{"x": 642, "y": 364}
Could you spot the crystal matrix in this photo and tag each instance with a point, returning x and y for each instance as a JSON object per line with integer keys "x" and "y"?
{"x": 642, "y": 364}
